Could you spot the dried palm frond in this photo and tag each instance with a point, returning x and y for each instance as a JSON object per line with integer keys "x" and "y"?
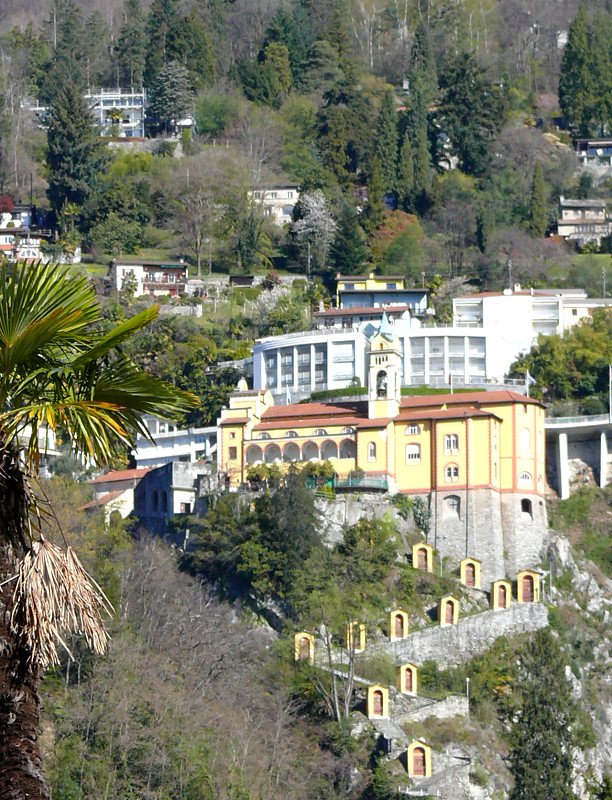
{"x": 54, "y": 596}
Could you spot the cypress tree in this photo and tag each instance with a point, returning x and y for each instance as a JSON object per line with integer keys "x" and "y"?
{"x": 75, "y": 153}
{"x": 375, "y": 209}
{"x": 348, "y": 251}
{"x": 417, "y": 130}
{"x": 422, "y": 62}
{"x": 538, "y": 215}
{"x": 385, "y": 145}
{"x": 574, "y": 76}
{"x": 405, "y": 175}
{"x": 161, "y": 27}
{"x": 541, "y": 758}
{"x": 600, "y": 71}
{"x": 132, "y": 46}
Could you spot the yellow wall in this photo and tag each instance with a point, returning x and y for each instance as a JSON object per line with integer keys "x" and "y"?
{"x": 495, "y": 594}
{"x": 463, "y": 568}
{"x": 442, "y": 610}
{"x": 392, "y": 615}
{"x": 297, "y": 649}
{"x": 409, "y": 752}
{"x": 357, "y": 629}
{"x": 415, "y": 555}
{"x": 385, "y": 702}
{"x": 489, "y": 453}
{"x": 519, "y": 586}
{"x": 401, "y": 678}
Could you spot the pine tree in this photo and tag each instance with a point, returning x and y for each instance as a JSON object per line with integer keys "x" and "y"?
{"x": 190, "y": 44}
{"x": 422, "y": 62}
{"x": 374, "y": 213}
{"x": 541, "y": 758}
{"x": 75, "y": 153}
{"x": 96, "y": 46}
{"x": 405, "y": 175}
{"x": 291, "y": 28}
{"x": 333, "y": 141}
{"x": 470, "y": 112}
{"x": 161, "y": 27}
{"x": 277, "y": 55}
{"x": 600, "y": 71}
{"x": 386, "y": 141}
{"x": 348, "y": 252}
{"x": 64, "y": 30}
{"x": 338, "y": 36}
{"x": 132, "y": 46}
{"x": 538, "y": 214}
{"x": 575, "y": 86}
{"x": 171, "y": 96}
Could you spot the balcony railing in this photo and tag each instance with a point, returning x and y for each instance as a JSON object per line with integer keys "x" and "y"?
{"x": 362, "y": 482}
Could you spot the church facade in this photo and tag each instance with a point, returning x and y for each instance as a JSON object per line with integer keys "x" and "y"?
{"x": 477, "y": 458}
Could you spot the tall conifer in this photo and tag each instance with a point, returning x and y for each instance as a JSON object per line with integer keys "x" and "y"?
{"x": 386, "y": 141}
{"x": 538, "y": 215}
{"x": 574, "y": 77}
{"x": 405, "y": 175}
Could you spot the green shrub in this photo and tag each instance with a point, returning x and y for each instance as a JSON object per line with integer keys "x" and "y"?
{"x": 479, "y": 777}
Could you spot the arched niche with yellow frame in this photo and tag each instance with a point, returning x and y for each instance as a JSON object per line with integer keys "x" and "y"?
{"x": 398, "y": 625}
{"x": 418, "y": 759}
{"x": 378, "y": 702}
{"x": 528, "y": 586}
{"x": 469, "y": 572}
{"x": 355, "y": 637}
{"x": 408, "y": 679}
{"x": 448, "y": 611}
{"x": 501, "y": 594}
{"x": 422, "y": 556}
{"x": 304, "y": 647}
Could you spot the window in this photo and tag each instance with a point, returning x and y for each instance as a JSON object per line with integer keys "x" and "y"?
{"x": 413, "y": 454}
{"x": 451, "y": 444}
{"x": 185, "y": 508}
{"x": 320, "y": 432}
{"x": 372, "y": 451}
{"x": 263, "y": 436}
{"x": 413, "y": 430}
{"x": 164, "y": 502}
{"x": 525, "y": 477}
{"x": 233, "y": 435}
{"x": 155, "y": 501}
{"x": 348, "y": 430}
{"x": 349, "y": 285}
{"x": 526, "y": 507}
{"x": 525, "y": 442}
{"x": 291, "y": 435}
{"x": 289, "y": 195}
{"x": 451, "y": 473}
{"x": 452, "y": 506}
{"x": 233, "y": 453}
{"x": 574, "y": 312}
{"x": 392, "y": 286}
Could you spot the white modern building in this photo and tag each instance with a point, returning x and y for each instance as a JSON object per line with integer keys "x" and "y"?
{"x": 171, "y": 443}
{"x": 119, "y": 112}
{"x": 294, "y": 365}
{"x": 278, "y": 201}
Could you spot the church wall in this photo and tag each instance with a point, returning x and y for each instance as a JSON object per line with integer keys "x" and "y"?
{"x": 412, "y": 475}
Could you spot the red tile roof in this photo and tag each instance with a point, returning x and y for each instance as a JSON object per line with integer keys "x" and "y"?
{"x": 468, "y": 398}
{"x": 347, "y": 312}
{"x": 102, "y": 501}
{"x": 122, "y": 475}
{"x": 300, "y": 410}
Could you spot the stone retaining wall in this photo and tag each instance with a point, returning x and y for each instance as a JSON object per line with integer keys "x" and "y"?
{"x": 456, "y": 644}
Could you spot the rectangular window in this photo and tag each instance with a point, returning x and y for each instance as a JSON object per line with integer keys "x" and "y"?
{"x": 185, "y": 508}
{"x": 233, "y": 435}
{"x": 233, "y": 453}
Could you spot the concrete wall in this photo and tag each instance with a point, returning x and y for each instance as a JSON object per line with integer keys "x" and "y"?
{"x": 472, "y": 636}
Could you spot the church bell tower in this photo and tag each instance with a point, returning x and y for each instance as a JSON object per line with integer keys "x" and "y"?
{"x": 384, "y": 372}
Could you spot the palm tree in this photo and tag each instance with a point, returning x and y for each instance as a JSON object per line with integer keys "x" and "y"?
{"x": 56, "y": 372}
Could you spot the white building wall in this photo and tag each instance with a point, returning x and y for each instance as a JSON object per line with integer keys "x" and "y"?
{"x": 119, "y": 273}
{"x": 174, "y": 444}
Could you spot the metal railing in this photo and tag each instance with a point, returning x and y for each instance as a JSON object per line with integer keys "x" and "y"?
{"x": 592, "y": 419}
{"x": 362, "y": 482}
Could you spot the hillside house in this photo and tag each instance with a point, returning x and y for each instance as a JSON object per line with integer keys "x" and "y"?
{"x": 278, "y": 201}
{"x": 583, "y": 221}
{"x": 155, "y": 278}
{"x": 118, "y": 112}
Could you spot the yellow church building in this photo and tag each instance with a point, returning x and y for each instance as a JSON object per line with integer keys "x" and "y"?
{"x": 477, "y": 457}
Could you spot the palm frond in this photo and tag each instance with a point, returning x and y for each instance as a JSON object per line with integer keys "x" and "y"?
{"x": 118, "y": 335}
{"x": 53, "y": 598}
